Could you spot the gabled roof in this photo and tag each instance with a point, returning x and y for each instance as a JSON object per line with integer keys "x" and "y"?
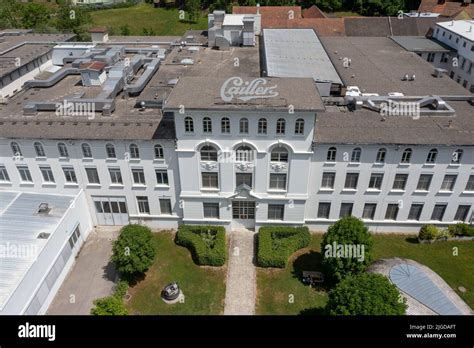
{"x": 448, "y": 9}
{"x": 313, "y": 12}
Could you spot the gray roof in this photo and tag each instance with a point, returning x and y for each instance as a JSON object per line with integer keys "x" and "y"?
{"x": 20, "y": 228}
{"x": 419, "y": 44}
{"x": 297, "y": 53}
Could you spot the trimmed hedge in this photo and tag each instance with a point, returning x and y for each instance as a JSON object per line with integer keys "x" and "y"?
{"x": 461, "y": 230}
{"x": 277, "y": 243}
{"x": 207, "y": 244}
{"x": 431, "y": 232}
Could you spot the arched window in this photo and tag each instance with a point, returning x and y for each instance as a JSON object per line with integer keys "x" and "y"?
{"x": 381, "y": 156}
{"x": 16, "y": 149}
{"x": 406, "y": 156}
{"x": 299, "y": 126}
{"x": 225, "y": 125}
{"x": 244, "y": 153}
{"x": 86, "y": 150}
{"x": 208, "y": 153}
{"x": 110, "y": 149}
{"x": 457, "y": 156}
{"x": 188, "y": 124}
{"x": 355, "y": 156}
{"x": 62, "y": 148}
{"x": 279, "y": 154}
{"x": 244, "y": 126}
{"x": 207, "y": 125}
{"x": 431, "y": 158}
{"x": 331, "y": 156}
{"x": 280, "y": 127}
{"x": 39, "y": 150}
{"x": 262, "y": 126}
{"x": 134, "y": 151}
{"x": 159, "y": 151}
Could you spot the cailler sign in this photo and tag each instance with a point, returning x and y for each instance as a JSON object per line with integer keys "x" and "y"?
{"x": 235, "y": 87}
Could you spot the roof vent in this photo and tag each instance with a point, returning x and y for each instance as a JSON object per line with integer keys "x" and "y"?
{"x": 43, "y": 235}
{"x": 438, "y": 72}
{"x": 413, "y": 77}
{"x": 405, "y": 77}
{"x": 44, "y": 209}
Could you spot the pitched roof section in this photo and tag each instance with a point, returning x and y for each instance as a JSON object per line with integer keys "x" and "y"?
{"x": 448, "y": 9}
{"x": 313, "y": 12}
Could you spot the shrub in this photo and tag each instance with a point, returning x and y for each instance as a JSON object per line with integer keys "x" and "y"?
{"x": 365, "y": 294}
{"x": 429, "y": 232}
{"x": 111, "y": 305}
{"x": 121, "y": 289}
{"x": 461, "y": 229}
{"x": 133, "y": 251}
{"x": 276, "y": 244}
{"x": 207, "y": 244}
{"x": 349, "y": 233}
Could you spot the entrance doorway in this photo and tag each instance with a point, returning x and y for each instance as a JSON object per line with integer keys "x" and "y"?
{"x": 111, "y": 210}
{"x": 243, "y": 214}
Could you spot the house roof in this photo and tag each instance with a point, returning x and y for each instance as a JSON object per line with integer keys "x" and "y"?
{"x": 448, "y": 9}
{"x": 313, "y": 12}
{"x": 419, "y": 44}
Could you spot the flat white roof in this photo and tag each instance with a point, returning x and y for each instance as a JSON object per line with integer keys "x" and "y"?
{"x": 464, "y": 28}
{"x": 20, "y": 225}
{"x": 233, "y": 19}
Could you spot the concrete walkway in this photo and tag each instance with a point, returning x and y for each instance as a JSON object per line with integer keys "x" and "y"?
{"x": 241, "y": 274}
{"x": 91, "y": 277}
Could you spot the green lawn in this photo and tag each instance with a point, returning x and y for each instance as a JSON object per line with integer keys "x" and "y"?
{"x": 276, "y": 285}
{"x": 161, "y": 21}
{"x": 203, "y": 287}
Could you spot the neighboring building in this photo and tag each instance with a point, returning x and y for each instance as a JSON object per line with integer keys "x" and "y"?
{"x": 226, "y": 30}
{"x": 447, "y": 8}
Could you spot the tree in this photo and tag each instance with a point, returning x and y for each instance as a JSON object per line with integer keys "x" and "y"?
{"x": 346, "y": 247}
{"x": 9, "y": 13}
{"x": 111, "y": 305}
{"x": 133, "y": 251}
{"x": 125, "y": 30}
{"x": 192, "y": 7}
{"x": 34, "y": 15}
{"x": 73, "y": 19}
{"x": 365, "y": 294}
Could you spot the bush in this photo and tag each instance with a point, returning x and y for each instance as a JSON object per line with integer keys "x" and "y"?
{"x": 121, "y": 289}
{"x": 111, "y": 305}
{"x": 207, "y": 244}
{"x": 349, "y": 233}
{"x": 429, "y": 232}
{"x": 365, "y": 294}
{"x": 133, "y": 251}
{"x": 460, "y": 230}
{"x": 276, "y": 244}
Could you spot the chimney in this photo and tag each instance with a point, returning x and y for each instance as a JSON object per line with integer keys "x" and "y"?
{"x": 99, "y": 34}
{"x": 258, "y": 8}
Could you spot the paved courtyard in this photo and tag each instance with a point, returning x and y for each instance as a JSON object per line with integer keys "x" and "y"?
{"x": 91, "y": 277}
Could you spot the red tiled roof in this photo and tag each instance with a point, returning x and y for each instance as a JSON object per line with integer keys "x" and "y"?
{"x": 98, "y": 30}
{"x": 448, "y": 9}
{"x": 94, "y": 65}
{"x": 313, "y": 12}
{"x": 279, "y": 12}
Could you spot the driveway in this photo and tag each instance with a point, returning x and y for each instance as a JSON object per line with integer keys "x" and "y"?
{"x": 92, "y": 276}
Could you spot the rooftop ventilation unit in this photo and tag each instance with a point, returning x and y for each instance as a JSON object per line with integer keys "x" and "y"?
{"x": 43, "y": 235}
{"x": 44, "y": 208}
{"x": 438, "y": 72}
{"x": 187, "y": 61}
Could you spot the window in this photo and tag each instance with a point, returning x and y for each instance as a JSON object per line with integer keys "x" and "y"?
{"x": 211, "y": 210}
{"x": 324, "y": 209}
{"x": 47, "y": 174}
{"x": 461, "y": 213}
{"x": 188, "y": 125}
{"x": 355, "y": 156}
{"x": 243, "y": 179}
{"x": 415, "y": 212}
{"x": 448, "y": 182}
{"x": 138, "y": 176}
{"x": 74, "y": 237}
{"x": 279, "y": 154}
{"x": 244, "y": 154}
{"x": 16, "y": 149}
{"x": 86, "y": 151}
{"x": 431, "y": 158}
{"x": 262, "y": 126}
{"x": 438, "y": 212}
{"x": 280, "y": 126}
{"x": 161, "y": 177}
{"x": 4, "y": 174}
{"x": 143, "y": 206}
{"x": 392, "y": 212}
{"x": 207, "y": 125}
{"x": 369, "y": 211}
{"x": 25, "y": 174}
{"x": 110, "y": 150}
{"x": 70, "y": 175}
{"x": 208, "y": 153}
{"x": 431, "y": 57}
{"x": 39, "y": 150}
{"x": 299, "y": 126}
{"x": 243, "y": 126}
{"x": 210, "y": 180}
{"x": 158, "y": 151}
{"x": 62, "y": 148}
{"x": 225, "y": 125}
{"x": 134, "y": 151}
{"x": 331, "y": 156}
{"x": 400, "y": 182}
{"x": 470, "y": 184}
{"x": 276, "y": 211}
{"x": 115, "y": 176}
{"x": 381, "y": 156}
{"x": 346, "y": 210}
{"x": 457, "y": 155}
{"x": 92, "y": 176}
{"x": 278, "y": 181}
{"x": 424, "y": 182}
{"x": 328, "y": 180}
{"x": 165, "y": 206}
{"x": 351, "y": 181}
{"x": 406, "y": 156}
{"x": 375, "y": 182}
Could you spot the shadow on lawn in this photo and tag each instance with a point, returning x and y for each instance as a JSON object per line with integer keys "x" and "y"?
{"x": 311, "y": 261}
{"x": 412, "y": 240}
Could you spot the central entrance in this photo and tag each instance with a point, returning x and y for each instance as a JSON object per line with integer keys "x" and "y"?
{"x": 243, "y": 213}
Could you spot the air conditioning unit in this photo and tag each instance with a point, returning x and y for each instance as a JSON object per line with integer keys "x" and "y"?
{"x": 438, "y": 72}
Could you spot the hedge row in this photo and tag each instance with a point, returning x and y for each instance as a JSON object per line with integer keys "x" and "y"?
{"x": 431, "y": 232}
{"x": 277, "y": 243}
{"x": 207, "y": 244}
